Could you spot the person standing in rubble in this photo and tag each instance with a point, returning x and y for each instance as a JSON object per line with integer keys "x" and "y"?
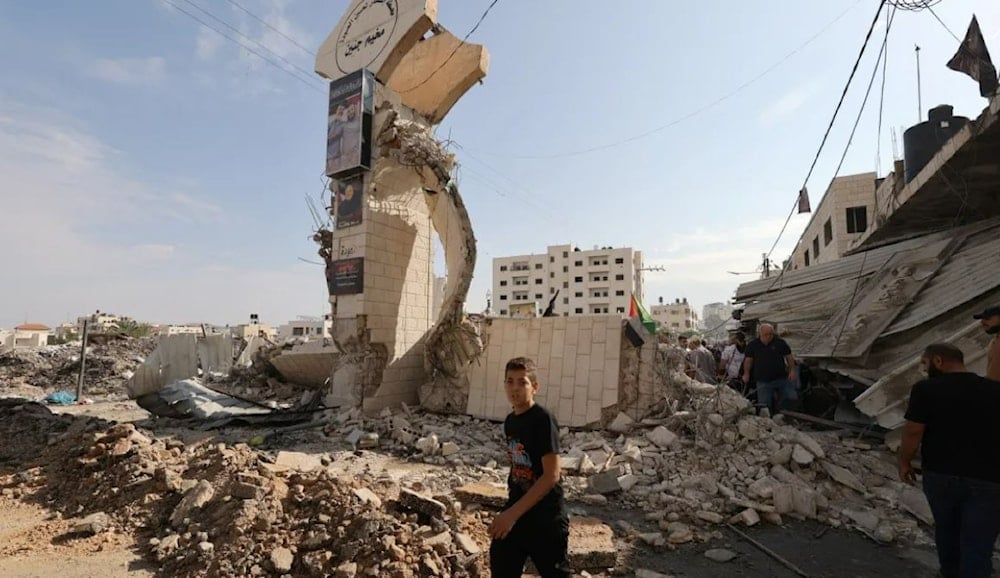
{"x": 701, "y": 361}
{"x": 769, "y": 361}
{"x": 951, "y": 417}
{"x": 990, "y": 320}
{"x": 533, "y": 523}
{"x": 732, "y": 359}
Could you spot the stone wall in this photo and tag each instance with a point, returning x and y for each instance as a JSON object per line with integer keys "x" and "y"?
{"x": 579, "y": 366}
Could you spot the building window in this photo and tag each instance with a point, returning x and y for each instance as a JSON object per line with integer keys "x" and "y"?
{"x": 565, "y": 300}
{"x": 619, "y": 293}
{"x": 503, "y": 312}
{"x": 538, "y": 295}
{"x": 538, "y": 265}
{"x": 552, "y": 275}
{"x": 578, "y": 279}
{"x": 565, "y": 268}
{"x": 578, "y": 310}
{"x": 552, "y": 290}
{"x": 619, "y": 277}
{"x": 565, "y": 254}
{"x": 503, "y": 283}
{"x": 827, "y": 232}
{"x": 565, "y": 284}
{"x": 619, "y": 261}
{"x": 816, "y": 246}
{"x": 578, "y": 263}
{"x": 503, "y": 297}
{"x": 578, "y": 294}
{"x": 503, "y": 267}
{"x": 675, "y": 325}
{"x": 857, "y": 220}
{"x": 619, "y": 310}
{"x": 806, "y": 255}
{"x": 296, "y": 331}
{"x": 538, "y": 281}
{"x": 552, "y": 259}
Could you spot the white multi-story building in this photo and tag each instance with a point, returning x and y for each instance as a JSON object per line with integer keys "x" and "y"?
{"x": 677, "y": 317}
{"x": 717, "y": 321}
{"x": 595, "y": 282}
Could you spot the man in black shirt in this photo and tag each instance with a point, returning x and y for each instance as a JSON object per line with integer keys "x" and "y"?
{"x": 533, "y": 523}
{"x": 952, "y": 417}
{"x": 770, "y": 362}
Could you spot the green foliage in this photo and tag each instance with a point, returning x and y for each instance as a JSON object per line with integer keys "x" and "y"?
{"x": 134, "y": 328}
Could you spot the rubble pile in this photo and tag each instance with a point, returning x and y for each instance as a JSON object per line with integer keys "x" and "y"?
{"x": 54, "y": 367}
{"x": 258, "y": 380}
{"x": 213, "y": 510}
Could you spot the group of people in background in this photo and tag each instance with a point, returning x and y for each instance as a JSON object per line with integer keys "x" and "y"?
{"x": 763, "y": 369}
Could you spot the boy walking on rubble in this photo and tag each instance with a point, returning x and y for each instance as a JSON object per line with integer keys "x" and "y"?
{"x": 533, "y": 523}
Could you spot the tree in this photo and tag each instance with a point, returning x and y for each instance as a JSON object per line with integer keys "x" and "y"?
{"x": 133, "y": 328}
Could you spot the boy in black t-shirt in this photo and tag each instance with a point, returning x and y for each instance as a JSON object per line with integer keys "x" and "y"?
{"x": 533, "y": 522}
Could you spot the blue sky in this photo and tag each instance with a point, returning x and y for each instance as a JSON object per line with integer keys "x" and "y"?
{"x": 152, "y": 168}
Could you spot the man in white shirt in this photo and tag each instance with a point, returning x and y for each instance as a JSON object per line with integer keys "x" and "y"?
{"x": 733, "y": 356}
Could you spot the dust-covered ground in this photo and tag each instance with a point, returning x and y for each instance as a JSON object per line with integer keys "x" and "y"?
{"x": 58, "y": 468}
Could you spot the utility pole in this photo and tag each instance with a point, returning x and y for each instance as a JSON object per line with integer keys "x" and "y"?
{"x": 83, "y": 360}
{"x": 920, "y": 104}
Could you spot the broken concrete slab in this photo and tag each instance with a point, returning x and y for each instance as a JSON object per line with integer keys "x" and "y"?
{"x": 720, "y": 555}
{"x": 423, "y": 504}
{"x": 604, "y": 482}
{"x": 92, "y": 524}
{"x": 662, "y": 437}
{"x": 195, "y": 498}
{"x": 591, "y": 544}
{"x": 367, "y": 497}
{"x": 621, "y": 424}
{"x": 492, "y": 495}
{"x": 802, "y": 456}
{"x": 843, "y": 476}
{"x": 298, "y": 461}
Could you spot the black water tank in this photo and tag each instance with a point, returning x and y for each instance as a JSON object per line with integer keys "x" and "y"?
{"x": 922, "y": 141}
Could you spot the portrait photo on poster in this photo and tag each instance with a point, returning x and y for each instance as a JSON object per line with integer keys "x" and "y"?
{"x": 350, "y": 200}
{"x": 347, "y": 149}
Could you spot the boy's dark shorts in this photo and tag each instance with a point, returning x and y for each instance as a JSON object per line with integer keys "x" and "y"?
{"x": 544, "y": 539}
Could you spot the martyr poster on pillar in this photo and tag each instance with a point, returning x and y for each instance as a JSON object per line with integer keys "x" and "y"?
{"x": 350, "y": 200}
{"x": 349, "y": 126}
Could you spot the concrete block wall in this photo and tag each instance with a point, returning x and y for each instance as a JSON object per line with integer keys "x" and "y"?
{"x": 578, "y": 365}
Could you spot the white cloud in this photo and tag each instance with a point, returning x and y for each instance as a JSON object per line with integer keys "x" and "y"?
{"x": 74, "y": 239}
{"x": 208, "y": 43}
{"x": 789, "y": 103}
{"x": 147, "y": 72}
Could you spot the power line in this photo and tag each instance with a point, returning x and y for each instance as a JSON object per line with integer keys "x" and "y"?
{"x": 826, "y": 135}
{"x": 269, "y": 26}
{"x": 247, "y": 48}
{"x": 453, "y": 52}
{"x": 697, "y": 111}
{"x": 240, "y": 33}
{"x": 936, "y": 17}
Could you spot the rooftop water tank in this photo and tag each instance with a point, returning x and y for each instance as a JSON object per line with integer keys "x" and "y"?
{"x": 922, "y": 141}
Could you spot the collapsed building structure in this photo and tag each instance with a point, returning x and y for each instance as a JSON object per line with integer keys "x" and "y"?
{"x": 860, "y": 322}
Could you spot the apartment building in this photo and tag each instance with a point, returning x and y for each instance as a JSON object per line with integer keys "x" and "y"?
{"x": 846, "y": 213}
{"x": 307, "y": 327}
{"x": 592, "y": 282}
{"x": 676, "y": 317}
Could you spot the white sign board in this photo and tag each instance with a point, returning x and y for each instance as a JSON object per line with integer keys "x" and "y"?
{"x": 374, "y": 34}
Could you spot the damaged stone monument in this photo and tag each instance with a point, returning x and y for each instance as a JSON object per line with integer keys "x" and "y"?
{"x": 394, "y": 73}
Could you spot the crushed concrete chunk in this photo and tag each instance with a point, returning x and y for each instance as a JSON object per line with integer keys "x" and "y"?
{"x": 781, "y": 457}
{"x": 662, "y": 437}
{"x": 720, "y": 555}
{"x": 591, "y": 544}
{"x": 480, "y": 493}
{"x": 92, "y": 524}
{"x": 802, "y": 456}
{"x": 282, "y": 560}
{"x": 194, "y": 499}
{"x": 414, "y": 501}
{"x": 449, "y": 448}
{"x": 468, "y": 544}
{"x": 809, "y": 443}
{"x": 298, "y": 461}
{"x": 748, "y": 517}
{"x": 604, "y": 483}
{"x": 621, "y": 424}
{"x": 843, "y": 476}
{"x": 367, "y": 497}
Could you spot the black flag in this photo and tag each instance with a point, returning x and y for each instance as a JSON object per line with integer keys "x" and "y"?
{"x": 804, "y": 201}
{"x": 973, "y": 59}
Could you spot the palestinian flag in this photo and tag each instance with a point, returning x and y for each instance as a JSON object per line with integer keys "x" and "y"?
{"x": 637, "y": 310}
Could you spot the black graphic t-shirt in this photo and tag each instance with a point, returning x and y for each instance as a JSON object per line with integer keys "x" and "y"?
{"x": 531, "y": 435}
